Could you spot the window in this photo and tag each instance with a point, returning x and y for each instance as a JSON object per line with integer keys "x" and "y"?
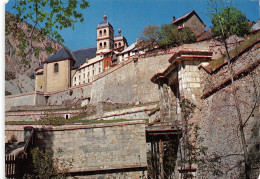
{"x": 93, "y": 72}
{"x": 100, "y": 32}
{"x": 99, "y": 70}
{"x": 79, "y": 77}
{"x": 115, "y": 44}
{"x": 83, "y": 81}
{"x": 88, "y": 74}
{"x": 88, "y": 80}
{"x": 105, "y": 31}
{"x": 83, "y": 75}
{"x": 56, "y": 68}
{"x": 105, "y": 44}
{"x": 75, "y": 79}
{"x": 100, "y": 45}
{"x": 119, "y": 44}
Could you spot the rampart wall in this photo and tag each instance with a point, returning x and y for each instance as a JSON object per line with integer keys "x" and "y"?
{"x": 98, "y": 148}
{"x": 20, "y": 99}
{"x": 38, "y": 115}
{"x": 25, "y": 99}
{"x": 219, "y": 121}
{"x": 130, "y": 83}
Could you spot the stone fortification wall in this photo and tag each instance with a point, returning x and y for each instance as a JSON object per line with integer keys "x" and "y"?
{"x": 38, "y": 115}
{"x": 17, "y": 131}
{"x": 70, "y": 96}
{"x": 98, "y": 148}
{"x": 130, "y": 83}
{"x": 219, "y": 121}
{"x": 133, "y": 112}
{"x": 20, "y": 99}
{"x": 25, "y": 99}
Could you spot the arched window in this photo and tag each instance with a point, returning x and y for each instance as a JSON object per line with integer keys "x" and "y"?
{"x": 100, "y": 45}
{"x": 100, "y": 33}
{"x": 119, "y": 44}
{"x": 56, "y": 68}
{"x": 115, "y": 44}
{"x": 105, "y": 32}
{"x": 105, "y": 44}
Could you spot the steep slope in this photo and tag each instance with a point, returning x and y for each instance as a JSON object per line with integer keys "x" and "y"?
{"x": 19, "y": 72}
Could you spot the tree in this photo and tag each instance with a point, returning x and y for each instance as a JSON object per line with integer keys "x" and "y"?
{"x": 231, "y": 21}
{"x": 168, "y": 36}
{"x": 165, "y": 36}
{"x": 47, "y": 17}
{"x": 171, "y": 36}
{"x": 149, "y": 37}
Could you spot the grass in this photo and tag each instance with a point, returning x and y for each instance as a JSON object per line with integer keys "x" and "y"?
{"x": 250, "y": 40}
{"x": 72, "y": 121}
{"x": 128, "y": 106}
{"x": 58, "y": 109}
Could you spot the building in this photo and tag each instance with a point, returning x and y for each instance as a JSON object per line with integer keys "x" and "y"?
{"x": 69, "y": 68}
{"x": 191, "y": 20}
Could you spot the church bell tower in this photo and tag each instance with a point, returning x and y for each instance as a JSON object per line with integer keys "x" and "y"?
{"x": 105, "y": 37}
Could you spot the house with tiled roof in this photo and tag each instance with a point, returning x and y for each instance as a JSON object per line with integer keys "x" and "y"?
{"x": 191, "y": 20}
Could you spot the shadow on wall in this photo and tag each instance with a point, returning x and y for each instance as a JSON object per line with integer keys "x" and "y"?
{"x": 254, "y": 147}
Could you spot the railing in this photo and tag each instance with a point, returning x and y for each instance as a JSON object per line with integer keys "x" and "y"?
{"x": 15, "y": 165}
{"x": 10, "y": 166}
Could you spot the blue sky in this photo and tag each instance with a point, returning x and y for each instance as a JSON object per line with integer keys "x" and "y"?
{"x": 131, "y": 16}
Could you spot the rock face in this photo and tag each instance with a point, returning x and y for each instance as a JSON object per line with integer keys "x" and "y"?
{"x": 19, "y": 76}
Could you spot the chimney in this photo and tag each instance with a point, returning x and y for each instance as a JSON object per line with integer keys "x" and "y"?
{"x": 105, "y": 18}
{"x": 173, "y": 18}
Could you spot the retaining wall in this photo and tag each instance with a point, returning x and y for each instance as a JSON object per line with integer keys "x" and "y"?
{"x": 20, "y": 99}
{"x": 98, "y": 148}
{"x": 38, "y": 115}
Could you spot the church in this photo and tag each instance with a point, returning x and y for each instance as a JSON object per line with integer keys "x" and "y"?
{"x": 69, "y": 68}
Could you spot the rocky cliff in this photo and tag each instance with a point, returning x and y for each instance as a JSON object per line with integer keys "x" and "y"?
{"x": 19, "y": 71}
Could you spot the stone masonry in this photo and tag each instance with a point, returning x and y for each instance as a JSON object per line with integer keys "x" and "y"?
{"x": 98, "y": 147}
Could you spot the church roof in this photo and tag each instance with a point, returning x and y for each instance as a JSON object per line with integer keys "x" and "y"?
{"x": 104, "y": 24}
{"x": 62, "y": 54}
{"x": 82, "y": 54}
{"x": 78, "y": 56}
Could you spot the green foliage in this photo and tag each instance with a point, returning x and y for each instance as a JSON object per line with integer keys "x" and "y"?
{"x": 50, "y": 118}
{"x": 171, "y": 36}
{"x": 227, "y": 20}
{"x": 59, "y": 15}
{"x": 247, "y": 42}
{"x": 46, "y": 166}
{"x": 165, "y": 36}
{"x": 149, "y": 36}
